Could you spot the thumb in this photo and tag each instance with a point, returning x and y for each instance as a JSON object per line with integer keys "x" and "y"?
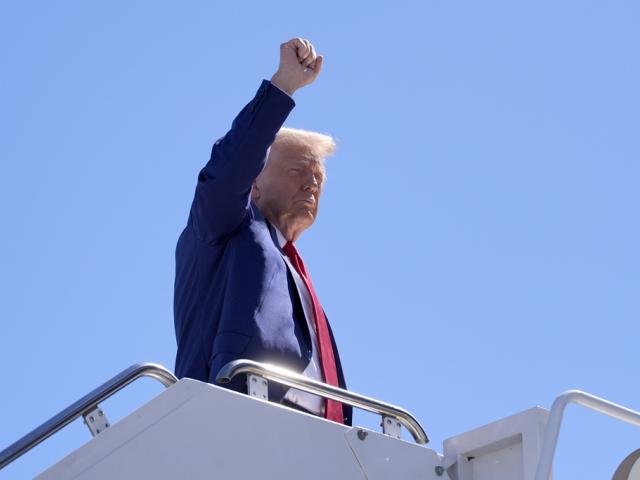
{"x": 317, "y": 68}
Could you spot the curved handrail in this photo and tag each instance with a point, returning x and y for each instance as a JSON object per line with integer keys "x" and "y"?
{"x": 587, "y": 400}
{"x": 83, "y": 405}
{"x": 293, "y": 379}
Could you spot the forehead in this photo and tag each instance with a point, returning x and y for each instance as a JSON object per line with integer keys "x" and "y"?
{"x": 295, "y": 154}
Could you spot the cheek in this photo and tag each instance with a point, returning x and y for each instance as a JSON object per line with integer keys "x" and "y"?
{"x": 292, "y": 187}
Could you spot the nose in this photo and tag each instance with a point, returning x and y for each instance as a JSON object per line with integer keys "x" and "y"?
{"x": 311, "y": 184}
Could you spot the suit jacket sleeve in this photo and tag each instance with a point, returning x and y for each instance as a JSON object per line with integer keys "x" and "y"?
{"x": 223, "y": 192}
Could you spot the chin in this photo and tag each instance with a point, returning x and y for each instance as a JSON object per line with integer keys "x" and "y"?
{"x": 307, "y": 218}
{"x": 311, "y": 216}
{"x": 303, "y": 217}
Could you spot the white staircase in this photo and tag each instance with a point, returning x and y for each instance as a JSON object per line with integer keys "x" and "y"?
{"x": 195, "y": 430}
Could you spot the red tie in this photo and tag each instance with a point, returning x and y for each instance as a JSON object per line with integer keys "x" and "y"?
{"x": 333, "y": 410}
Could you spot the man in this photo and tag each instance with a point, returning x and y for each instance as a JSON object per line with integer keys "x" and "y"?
{"x": 241, "y": 289}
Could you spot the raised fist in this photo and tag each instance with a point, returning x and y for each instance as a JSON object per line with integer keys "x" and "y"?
{"x": 299, "y": 65}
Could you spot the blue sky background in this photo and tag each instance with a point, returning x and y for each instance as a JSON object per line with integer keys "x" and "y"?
{"x": 477, "y": 245}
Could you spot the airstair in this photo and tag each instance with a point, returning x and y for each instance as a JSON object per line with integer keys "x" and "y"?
{"x": 195, "y": 430}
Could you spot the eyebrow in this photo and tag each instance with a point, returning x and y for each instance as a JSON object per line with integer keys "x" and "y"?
{"x": 304, "y": 160}
{"x": 315, "y": 164}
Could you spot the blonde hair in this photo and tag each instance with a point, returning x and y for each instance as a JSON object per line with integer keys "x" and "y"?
{"x": 321, "y": 145}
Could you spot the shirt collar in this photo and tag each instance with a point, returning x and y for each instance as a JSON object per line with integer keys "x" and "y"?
{"x": 281, "y": 240}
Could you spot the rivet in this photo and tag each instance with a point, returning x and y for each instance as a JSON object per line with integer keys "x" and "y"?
{"x": 91, "y": 418}
{"x": 362, "y": 434}
{"x": 439, "y": 470}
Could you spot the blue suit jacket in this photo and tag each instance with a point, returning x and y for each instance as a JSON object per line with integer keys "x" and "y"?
{"x": 234, "y": 296}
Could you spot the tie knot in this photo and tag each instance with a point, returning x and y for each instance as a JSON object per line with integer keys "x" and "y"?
{"x": 290, "y": 250}
{"x": 296, "y": 260}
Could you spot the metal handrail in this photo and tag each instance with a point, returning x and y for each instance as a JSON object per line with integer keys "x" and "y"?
{"x": 555, "y": 420}
{"x": 295, "y": 380}
{"x": 84, "y": 405}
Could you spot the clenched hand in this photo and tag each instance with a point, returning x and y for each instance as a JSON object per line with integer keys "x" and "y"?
{"x": 299, "y": 65}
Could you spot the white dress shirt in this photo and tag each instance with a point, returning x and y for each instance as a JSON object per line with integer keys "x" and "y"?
{"x": 308, "y": 401}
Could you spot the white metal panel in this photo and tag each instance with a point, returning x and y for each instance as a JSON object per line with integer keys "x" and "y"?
{"x": 498, "y": 462}
{"x": 507, "y": 449}
{"x": 198, "y": 431}
{"x": 383, "y": 457}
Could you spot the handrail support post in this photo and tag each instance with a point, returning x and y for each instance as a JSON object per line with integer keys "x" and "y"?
{"x": 391, "y": 426}
{"x": 258, "y": 386}
{"x": 95, "y": 420}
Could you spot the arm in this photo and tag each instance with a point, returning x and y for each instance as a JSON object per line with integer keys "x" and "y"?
{"x": 223, "y": 192}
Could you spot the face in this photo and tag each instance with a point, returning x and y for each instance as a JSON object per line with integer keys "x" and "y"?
{"x": 288, "y": 189}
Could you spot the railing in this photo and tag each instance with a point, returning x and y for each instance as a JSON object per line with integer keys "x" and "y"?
{"x": 392, "y": 416}
{"x": 86, "y": 407}
{"x": 555, "y": 420}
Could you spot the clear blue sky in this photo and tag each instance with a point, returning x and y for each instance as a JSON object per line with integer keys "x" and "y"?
{"x": 477, "y": 245}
